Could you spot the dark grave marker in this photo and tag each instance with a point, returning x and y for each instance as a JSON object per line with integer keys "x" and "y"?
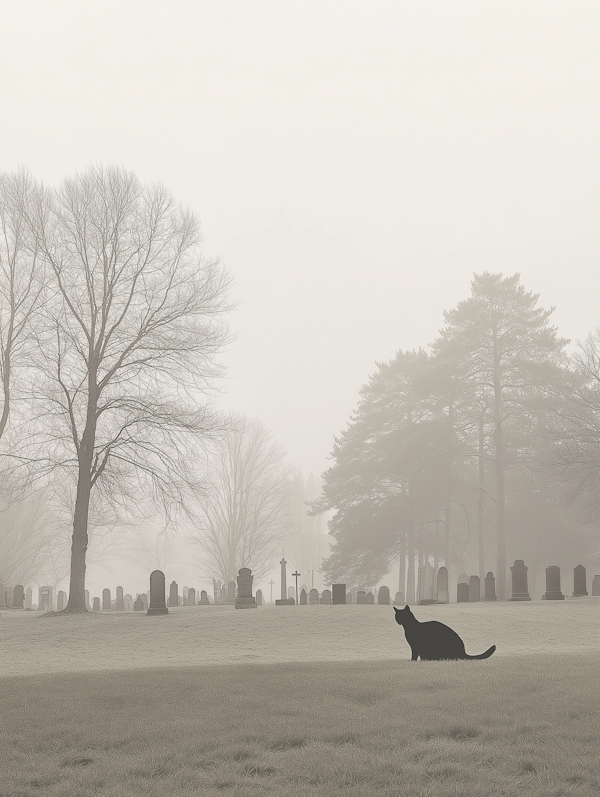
{"x": 259, "y": 597}
{"x": 579, "y": 582}
{"x": 338, "y": 593}
{"x": 128, "y": 602}
{"x": 443, "y": 595}
{"x": 519, "y": 581}
{"x": 490, "y": 587}
{"x": 96, "y": 605}
{"x": 326, "y": 597}
{"x": 203, "y": 598}
{"x": 245, "y": 599}
{"x": 138, "y": 604}
{"x": 399, "y": 598}
{"x": 120, "y": 603}
{"x": 596, "y": 585}
{"x": 18, "y": 597}
{"x": 361, "y": 597}
{"x": 191, "y": 597}
{"x": 303, "y": 598}
{"x": 474, "y": 589}
{"x": 231, "y": 592}
{"x": 370, "y": 599}
{"x": 383, "y": 596}
{"x": 61, "y": 600}
{"x": 313, "y": 597}
{"x": 462, "y": 592}
{"x": 157, "y": 594}
{"x": 173, "y": 593}
{"x": 106, "y": 600}
{"x": 553, "y": 591}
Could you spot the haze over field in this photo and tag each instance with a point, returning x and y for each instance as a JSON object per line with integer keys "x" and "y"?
{"x": 353, "y": 165}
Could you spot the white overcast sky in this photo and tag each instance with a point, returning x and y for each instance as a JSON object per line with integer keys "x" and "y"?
{"x": 353, "y": 163}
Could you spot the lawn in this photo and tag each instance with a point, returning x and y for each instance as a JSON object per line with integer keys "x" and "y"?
{"x": 316, "y": 701}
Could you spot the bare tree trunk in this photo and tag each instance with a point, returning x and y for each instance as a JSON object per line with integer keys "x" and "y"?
{"x": 410, "y": 579}
{"x": 500, "y": 490}
{"x": 402, "y": 566}
{"x": 481, "y": 507}
{"x": 449, "y": 485}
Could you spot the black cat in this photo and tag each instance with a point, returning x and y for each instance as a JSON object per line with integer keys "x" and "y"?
{"x": 433, "y": 641}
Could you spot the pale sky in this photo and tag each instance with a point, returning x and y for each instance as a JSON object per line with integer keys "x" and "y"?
{"x": 353, "y": 163}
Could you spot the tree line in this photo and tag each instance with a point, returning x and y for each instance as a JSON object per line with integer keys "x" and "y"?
{"x": 486, "y": 444}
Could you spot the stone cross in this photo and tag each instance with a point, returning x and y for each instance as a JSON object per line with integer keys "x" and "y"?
{"x": 283, "y": 563}
{"x": 271, "y": 582}
{"x": 296, "y": 576}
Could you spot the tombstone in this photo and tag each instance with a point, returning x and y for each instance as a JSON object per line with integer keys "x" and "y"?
{"x": 96, "y": 605}
{"x": 191, "y": 597}
{"x": 259, "y": 597}
{"x": 303, "y": 598}
{"x": 186, "y": 595}
{"x": 399, "y": 598}
{"x": 2, "y": 601}
{"x": 46, "y": 598}
{"x": 61, "y": 600}
{"x": 87, "y": 600}
{"x": 138, "y": 604}
{"x": 596, "y": 585}
{"x": 519, "y": 581}
{"x": 490, "y": 587}
{"x": 173, "y": 593}
{"x": 579, "y": 582}
{"x": 120, "y": 603}
{"x": 28, "y": 598}
{"x": 18, "y": 597}
{"x": 474, "y": 589}
{"x": 426, "y": 585}
{"x": 157, "y": 593}
{"x": 128, "y": 602}
{"x": 370, "y": 599}
{"x": 462, "y": 592}
{"x": 338, "y": 594}
{"x": 223, "y": 594}
{"x": 553, "y": 591}
{"x": 351, "y": 596}
{"x": 106, "y": 601}
{"x": 291, "y": 592}
{"x": 313, "y": 597}
{"x": 383, "y": 596}
{"x": 443, "y": 594}
{"x": 326, "y": 597}
{"x": 245, "y": 599}
{"x": 230, "y": 592}
{"x": 144, "y": 598}
{"x": 203, "y": 598}
{"x": 361, "y": 597}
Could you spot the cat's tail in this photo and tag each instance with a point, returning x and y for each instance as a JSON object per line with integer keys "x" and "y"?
{"x": 485, "y": 655}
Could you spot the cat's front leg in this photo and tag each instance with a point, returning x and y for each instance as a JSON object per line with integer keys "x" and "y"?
{"x": 414, "y": 656}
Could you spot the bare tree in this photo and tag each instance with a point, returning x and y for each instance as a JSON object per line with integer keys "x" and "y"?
{"x": 21, "y": 282}
{"x": 247, "y": 511}
{"x": 133, "y": 333}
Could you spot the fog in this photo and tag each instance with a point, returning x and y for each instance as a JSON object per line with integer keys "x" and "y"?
{"x": 353, "y": 164}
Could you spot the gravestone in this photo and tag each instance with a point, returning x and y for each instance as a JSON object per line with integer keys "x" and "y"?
{"x": 28, "y": 598}
{"x": 489, "y": 587}
{"x": 18, "y": 597}
{"x": 426, "y": 585}
{"x": 144, "y": 598}
{"x": 191, "y": 597}
{"x": 96, "y": 605}
{"x": 303, "y": 598}
{"x": 399, "y": 598}
{"x": 138, "y": 604}
{"x": 61, "y": 600}
{"x": 579, "y": 582}
{"x": 106, "y": 601}
{"x": 519, "y": 581}
{"x": 173, "y": 593}
{"x": 128, "y": 601}
{"x": 326, "y": 597}
{"x": 383, "y": 596}
{"x": 120, "y": 603}
{"x": 223, "y": 594}
{"x": 313, "y": 597}
{"x": 259, "y": 597}
{"x": 596, "y": 585}
{"x": 338, "y": 593}
{"x": 46, "y": 599}
{"x": 203, "y": 598}
{"x": 87, "y": 600}
{"x": 474, "y": 589}
{"x": 351, "y": 596}
{"x": 462, "y": 592}
{"x": 443, "y": 595}
{"x": 245, "y": 599}
{"x": 553, "y": 591}
{"x": 231, "y": 592}
{"x": 370, "y": 599}
{"x": 186, "y": 592}
{"x": 291, "y": 592}
{"x": 361, "y": 597}
{"x": 157, "y": 594}
{"x": 2, "y": 600}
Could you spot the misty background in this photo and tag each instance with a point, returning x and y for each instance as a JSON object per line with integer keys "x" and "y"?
{"x": 352, "y": 164}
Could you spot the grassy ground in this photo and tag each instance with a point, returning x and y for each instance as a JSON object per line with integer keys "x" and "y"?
{"x": 515, "y": 724}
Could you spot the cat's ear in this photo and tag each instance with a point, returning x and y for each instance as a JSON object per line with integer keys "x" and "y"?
{"x": 407, "y": 607}
{"x": 397, "y": 610}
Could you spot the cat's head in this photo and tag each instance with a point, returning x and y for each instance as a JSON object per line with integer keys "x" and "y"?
{"x": 403, "y": 614}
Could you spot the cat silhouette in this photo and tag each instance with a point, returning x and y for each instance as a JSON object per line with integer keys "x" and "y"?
{"x": 433, "y": 641}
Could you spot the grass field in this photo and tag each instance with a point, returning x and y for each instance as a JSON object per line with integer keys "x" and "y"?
{"x": 122, "y": 704}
